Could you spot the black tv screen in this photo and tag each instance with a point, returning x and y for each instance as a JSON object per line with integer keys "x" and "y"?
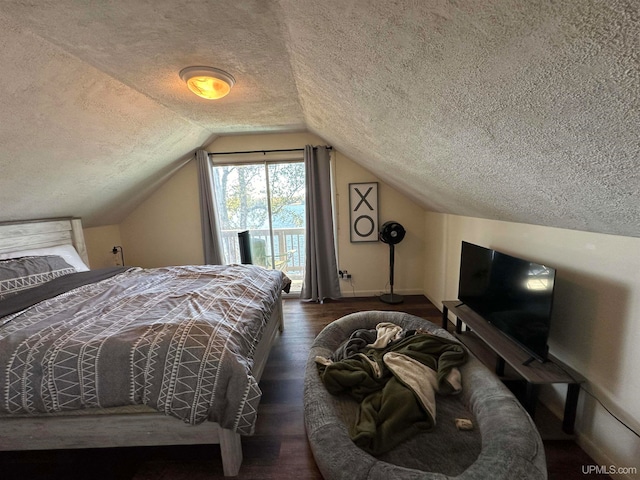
{"x": 513, "y": 294}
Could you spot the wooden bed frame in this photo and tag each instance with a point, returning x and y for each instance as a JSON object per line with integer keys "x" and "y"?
{"x": 114, "y": 427}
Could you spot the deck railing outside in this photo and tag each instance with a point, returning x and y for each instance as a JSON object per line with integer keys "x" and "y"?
{"x": 288, "y": 246}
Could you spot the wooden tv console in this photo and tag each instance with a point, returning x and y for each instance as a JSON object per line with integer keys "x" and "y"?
{"x": 535, "y": 373}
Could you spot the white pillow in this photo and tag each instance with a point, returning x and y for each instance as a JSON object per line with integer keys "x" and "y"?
{"x": 67, "y": 252}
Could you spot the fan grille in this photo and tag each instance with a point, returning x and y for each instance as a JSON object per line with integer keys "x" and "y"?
{"x": 392, "y": 233}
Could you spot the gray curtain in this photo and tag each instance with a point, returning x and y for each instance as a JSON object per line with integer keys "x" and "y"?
{"x": 209, "y": 220}
{"x": 321, "y": 270}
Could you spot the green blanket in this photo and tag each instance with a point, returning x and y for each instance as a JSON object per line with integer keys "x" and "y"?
{"x": 396, "y": 387}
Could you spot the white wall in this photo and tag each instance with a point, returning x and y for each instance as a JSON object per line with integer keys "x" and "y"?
{"x": 596, "y": 320}
{"x": 369, "y": 262}
{"x": 165, "y": 229}
{"x": 100, "y": 242}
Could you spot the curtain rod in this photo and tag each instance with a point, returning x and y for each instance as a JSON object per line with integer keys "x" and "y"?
{"x": 264, "y": 152}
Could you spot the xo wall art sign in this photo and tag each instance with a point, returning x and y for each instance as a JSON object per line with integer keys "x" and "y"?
{"x": 363, "y": 212}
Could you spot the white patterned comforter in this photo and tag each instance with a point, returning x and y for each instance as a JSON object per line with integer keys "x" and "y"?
{"x": 178, "y": 339}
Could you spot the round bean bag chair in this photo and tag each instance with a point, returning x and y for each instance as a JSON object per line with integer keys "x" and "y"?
{"x": 503, "y": 443}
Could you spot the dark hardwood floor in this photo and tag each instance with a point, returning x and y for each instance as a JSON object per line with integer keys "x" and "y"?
{"x": 279, "y": 449}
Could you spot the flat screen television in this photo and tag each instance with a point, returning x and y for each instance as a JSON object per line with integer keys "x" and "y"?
{"x": 513, "y": 294}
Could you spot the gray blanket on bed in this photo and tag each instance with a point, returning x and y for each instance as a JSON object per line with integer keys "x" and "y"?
{"x": 178, "y": 339}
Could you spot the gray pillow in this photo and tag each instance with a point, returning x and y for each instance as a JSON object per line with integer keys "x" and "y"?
{"x": 19, "y": 274}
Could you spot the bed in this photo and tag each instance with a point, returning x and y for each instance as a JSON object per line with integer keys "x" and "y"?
{"x": 129, "y": 356}
{"x": 502, "y": 444}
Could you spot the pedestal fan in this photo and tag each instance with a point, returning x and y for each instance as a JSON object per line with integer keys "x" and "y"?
{"x": 391, "y": 233}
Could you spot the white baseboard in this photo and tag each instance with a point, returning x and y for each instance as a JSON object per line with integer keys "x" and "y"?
{"x": 554, "y": 401}
{"x": 600, "y": 457}
{"x": 347, "y": 292}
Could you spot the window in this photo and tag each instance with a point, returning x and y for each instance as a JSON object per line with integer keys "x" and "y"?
{"x": 268, "y": 199}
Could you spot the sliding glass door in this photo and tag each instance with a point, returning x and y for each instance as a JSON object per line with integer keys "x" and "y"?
{"x": 268, "y": 199}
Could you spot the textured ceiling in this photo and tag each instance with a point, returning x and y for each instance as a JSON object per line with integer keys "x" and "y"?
{"x": 517, "y": 110}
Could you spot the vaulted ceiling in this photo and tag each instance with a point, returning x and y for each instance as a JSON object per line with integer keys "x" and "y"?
{"x": 518, "y": 110}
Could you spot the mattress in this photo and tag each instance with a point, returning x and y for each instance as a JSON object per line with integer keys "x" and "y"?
{"x": 177, "y": 340}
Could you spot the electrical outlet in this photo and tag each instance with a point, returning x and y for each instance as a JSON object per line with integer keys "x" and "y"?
{"x": 344, "y": 274}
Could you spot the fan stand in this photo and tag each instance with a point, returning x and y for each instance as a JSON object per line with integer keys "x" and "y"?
{"x": 391, "y": 298}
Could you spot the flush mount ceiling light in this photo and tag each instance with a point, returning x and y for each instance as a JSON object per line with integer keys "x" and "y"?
{"x": 207, "y": 82}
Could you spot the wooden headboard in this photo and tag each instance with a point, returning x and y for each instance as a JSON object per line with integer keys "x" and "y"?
{"x": 26, "y": 235}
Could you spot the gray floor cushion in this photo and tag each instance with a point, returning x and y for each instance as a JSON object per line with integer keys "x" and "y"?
{"x": 504, "y": 443}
